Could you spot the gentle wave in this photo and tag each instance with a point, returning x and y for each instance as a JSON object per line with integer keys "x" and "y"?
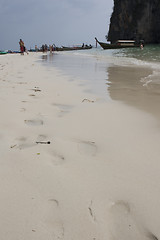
{"x": 146, "y": 58}
{"x": 149, "y": 58}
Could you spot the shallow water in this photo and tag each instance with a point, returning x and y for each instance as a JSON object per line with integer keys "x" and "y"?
{"x": 87, "y": 71}
{"x": 130, "y": 75}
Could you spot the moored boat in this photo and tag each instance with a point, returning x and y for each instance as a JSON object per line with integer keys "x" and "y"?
{"x": 118, "y": 44}
{"x": 3, "y": 52}
{"x": 73, "y": 48}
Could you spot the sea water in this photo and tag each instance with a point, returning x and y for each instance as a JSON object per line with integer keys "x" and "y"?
{"x": 129, "y": 75}
{"x": 149, "y": 57}
{"x": 72, "y": 62}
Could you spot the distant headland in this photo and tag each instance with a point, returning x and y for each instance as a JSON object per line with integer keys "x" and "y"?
{"x": 135, "y": 19}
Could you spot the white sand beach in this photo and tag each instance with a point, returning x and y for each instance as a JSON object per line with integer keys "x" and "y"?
{"x": 98, "y": 179}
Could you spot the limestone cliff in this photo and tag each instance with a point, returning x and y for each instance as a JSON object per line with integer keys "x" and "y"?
{"x": 135, "y": 19}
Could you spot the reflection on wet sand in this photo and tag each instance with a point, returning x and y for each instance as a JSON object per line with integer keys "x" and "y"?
{"x": 126, "y": 85}
{"x": 47, "y": 57}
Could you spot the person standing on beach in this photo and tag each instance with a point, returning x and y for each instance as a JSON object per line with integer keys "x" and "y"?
{"x": 36, "y": 48}
{"x": 22, "y": 48}
{"x": 43, "y": 49}
{"x": 50, "y": 48}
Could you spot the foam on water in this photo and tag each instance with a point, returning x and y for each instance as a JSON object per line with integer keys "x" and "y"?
{"x": 123, "y": 57}
{"x": 149, "y": 57}
{"x": 131, "y": 76}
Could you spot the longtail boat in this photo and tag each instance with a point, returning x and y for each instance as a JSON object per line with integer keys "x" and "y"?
{"x": 119, "y": 44}
{"x": 72, "y": 48}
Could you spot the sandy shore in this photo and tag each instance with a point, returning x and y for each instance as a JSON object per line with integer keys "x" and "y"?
{"x": 98, "y": 178}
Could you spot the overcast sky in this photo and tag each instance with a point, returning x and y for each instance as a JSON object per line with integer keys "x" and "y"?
{"x": 63, "y": 22}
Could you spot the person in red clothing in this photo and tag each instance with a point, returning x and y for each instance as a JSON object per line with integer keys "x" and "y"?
{"x": 22, "y": 48}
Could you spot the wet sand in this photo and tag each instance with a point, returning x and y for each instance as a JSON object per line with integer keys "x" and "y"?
{"x": 74, "y": 164}
{"x": 133, "y": 88}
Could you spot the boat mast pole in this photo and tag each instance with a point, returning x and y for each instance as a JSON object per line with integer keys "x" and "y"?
{"x": 96, "y": 41}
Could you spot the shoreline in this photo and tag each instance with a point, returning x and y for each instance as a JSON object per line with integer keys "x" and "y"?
{"x": 133, "y": 85}
{"x": 99, "y": 176}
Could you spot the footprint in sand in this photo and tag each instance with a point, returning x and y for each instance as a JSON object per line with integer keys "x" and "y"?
{"x": 22, "y": 110}
{"x": 52, "y": 220}
{"x": 54, "y": 201}
{"x": 24, "y": 143}
{"x": 56, "y": 157}
{"x": 58, "y": 232}
{"x": 34, "y": 122}
{"x": 123, "y": 226}
{"x": 87, "y": 148}
{"x": 63, "y": 108}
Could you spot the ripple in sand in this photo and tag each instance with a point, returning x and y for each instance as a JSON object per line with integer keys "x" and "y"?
{"x": 34, "y": 122}
{"x": 25, "y": 143}
{"x": 22, "y": 110}
{"x": 91, "y": 212}
{"x": 57, "y": 158}
{"x": 87, "y": 148}
{"x": 21, "y": 82}
{"x": 58, "y": 230}
{"x": 64, "y": 108}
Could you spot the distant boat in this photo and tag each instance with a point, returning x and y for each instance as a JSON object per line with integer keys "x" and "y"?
{"x": 118, "y": 44}
{"x": 72, "y": 48}
{"x": 3, "y": 52}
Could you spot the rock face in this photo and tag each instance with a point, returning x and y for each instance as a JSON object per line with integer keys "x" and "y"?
{"x": 135, "y": 19}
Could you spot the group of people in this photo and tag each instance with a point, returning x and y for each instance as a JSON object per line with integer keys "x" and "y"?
{"x": 45, "y": 48}
{"x": 22, "y": 47}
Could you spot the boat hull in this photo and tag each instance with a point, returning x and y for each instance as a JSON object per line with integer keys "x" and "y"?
{"x": 2, "y": 53}
{"x": 72, "y": 48}
{"x": 115, "y": 46}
